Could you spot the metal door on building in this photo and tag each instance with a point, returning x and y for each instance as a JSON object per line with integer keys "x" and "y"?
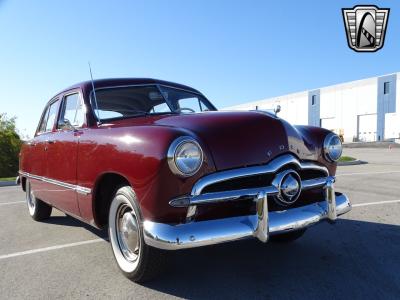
{"x": 366, "y": 128}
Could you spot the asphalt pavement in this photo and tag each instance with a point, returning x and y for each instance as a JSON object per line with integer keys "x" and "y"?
{"x": 357, "y": 258}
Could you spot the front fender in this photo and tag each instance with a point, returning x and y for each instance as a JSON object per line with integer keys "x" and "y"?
{"x": 139, "y": 154}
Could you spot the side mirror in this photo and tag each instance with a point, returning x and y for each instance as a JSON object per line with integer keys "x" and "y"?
{"x": 277, "y": 109}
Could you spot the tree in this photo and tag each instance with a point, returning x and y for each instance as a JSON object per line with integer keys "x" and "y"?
{"x": 10, "y": 145}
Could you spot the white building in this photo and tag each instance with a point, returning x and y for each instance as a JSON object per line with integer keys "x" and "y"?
{"x": 362, "y": 110}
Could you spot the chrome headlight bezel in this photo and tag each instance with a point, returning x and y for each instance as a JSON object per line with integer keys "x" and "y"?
{"x": 328, "y": 153}
{"x": 175, "y": 146}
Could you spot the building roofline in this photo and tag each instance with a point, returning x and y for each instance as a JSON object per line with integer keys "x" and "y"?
{"x": 310, "y": 90}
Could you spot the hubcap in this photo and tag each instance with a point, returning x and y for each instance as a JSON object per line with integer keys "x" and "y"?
{"x": 30, "y": 198}
{"x": 128, "y": 233}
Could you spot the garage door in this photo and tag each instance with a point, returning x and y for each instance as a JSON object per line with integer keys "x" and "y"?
{"x": 329, "y": 123}
{"x": 366, "y": 128}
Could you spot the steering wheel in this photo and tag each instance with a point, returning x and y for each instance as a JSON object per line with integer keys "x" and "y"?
{"x": 187, "y": 108}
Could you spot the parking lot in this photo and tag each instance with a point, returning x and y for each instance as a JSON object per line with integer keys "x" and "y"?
{"x": 358, "y": 257}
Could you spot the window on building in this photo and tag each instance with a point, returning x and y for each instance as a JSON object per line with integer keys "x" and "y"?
{"x": 313, "y": 99}
{"x": 386, "y": 88}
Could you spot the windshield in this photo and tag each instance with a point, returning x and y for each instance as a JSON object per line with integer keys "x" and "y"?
{"x": 125, "y": 102}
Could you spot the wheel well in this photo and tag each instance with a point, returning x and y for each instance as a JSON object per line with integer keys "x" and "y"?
{"x": 104, "y": 191}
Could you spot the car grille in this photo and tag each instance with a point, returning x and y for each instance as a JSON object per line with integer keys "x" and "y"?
{"x": 247, "y": 206}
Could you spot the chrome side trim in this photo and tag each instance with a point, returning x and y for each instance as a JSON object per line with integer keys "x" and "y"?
{"x": 79, "y": 189}
{"x": 203, "y": 233}
{"x": 271, "y": 167}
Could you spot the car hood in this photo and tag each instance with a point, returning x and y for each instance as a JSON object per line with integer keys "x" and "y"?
{"x": 238, "y": 139}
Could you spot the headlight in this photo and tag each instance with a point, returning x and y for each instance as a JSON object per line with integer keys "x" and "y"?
{"x": 332, "y": 147}
{"x": 185, "y": 156}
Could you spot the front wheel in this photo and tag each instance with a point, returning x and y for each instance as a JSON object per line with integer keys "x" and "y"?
{"x": 38, "y": 210}
{"x": 288, "y": 237}
{"x": 137, "y": 261}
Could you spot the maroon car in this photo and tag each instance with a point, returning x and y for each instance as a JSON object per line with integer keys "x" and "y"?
{"x": 157, "y": 164}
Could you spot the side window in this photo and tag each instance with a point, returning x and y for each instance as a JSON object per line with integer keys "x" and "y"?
{"x": 52, "y": 116}
{"x": 43, "y": 121}
{"x": 73, "y": 114}
{"x": 190, "y": 105}
{"x": 160, "y": 108}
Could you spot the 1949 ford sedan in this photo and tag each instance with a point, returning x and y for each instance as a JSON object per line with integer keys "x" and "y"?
{"x": 157, "y": 164}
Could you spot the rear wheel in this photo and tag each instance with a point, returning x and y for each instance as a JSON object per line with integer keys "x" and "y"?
{"x": 137, "y": 261}
{"x": 38, "y": 210}
{"x": 288, "y": 237}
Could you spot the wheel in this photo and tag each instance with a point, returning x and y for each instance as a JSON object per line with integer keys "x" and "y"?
{"x": 137, "y": 261}
{"x": 288, "y": 237}
{"x": 38, "y": 210}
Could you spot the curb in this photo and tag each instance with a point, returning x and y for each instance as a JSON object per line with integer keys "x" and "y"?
{"x": 352, "y": 163}
{"x": 7, "y": 183}
{"x": 355, "y": 145}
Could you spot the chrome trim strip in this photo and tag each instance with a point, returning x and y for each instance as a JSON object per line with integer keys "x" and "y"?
{"x": 233, "y": 195}
{"x": 310, "y": 184}
{"x": 79, "y": 189}
{"x": 271, "y": 167}
{"x": 224, "y": 196}
{"x": 203, "y": 233}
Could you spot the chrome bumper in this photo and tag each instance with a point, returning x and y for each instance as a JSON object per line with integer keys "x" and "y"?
{"x": 261, "y": 225}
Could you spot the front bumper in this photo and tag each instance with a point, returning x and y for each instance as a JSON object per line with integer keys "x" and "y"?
{"x": 260, "y": 225}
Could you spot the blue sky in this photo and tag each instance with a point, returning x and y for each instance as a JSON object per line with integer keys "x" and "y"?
{"x": 232, "y": 51}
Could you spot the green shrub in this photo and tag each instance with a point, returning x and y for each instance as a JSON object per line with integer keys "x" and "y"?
{"x": 346, "y": 158}
{"x": 10, "y": 145}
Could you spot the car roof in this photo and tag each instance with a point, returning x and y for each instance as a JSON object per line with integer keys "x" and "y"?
{"x": 109, "y": 82}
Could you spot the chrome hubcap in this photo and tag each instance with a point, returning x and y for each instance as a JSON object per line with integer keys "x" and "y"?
{"x": 128, "y": 233}
{"x": 30, "y": 198}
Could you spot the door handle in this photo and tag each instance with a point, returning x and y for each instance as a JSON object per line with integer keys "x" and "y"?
{"x": 50, "y": 141}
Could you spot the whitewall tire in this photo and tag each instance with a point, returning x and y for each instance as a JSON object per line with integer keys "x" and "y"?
{"x": 137, "y": 261}
{"x": 37, "y": 209}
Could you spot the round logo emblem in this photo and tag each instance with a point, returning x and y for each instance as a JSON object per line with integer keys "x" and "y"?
{"x": 288, "y": 184}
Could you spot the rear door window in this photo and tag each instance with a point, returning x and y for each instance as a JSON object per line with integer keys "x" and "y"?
{"x": 49, "y": 117}
{"x": 43, "y": 121}
{"x": 52, "y": 116}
